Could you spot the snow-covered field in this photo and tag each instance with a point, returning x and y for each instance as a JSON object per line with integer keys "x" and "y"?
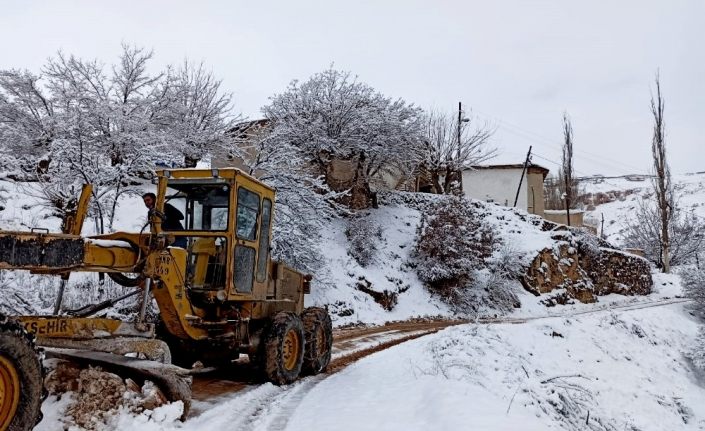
{"x": 689, "y": 189}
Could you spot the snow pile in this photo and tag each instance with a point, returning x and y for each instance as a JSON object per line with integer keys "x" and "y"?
{"x": 91, "y": 398}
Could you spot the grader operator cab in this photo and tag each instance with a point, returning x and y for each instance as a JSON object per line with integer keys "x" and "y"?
{"x": 218, "y": 293}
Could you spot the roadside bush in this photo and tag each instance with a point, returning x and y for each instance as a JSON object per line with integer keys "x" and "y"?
{"x": 364, "y": 236}
{"x": 693, "y": 280}
{"x": 454, "y": 257}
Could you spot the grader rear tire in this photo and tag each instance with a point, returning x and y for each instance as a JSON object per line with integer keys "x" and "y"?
{"x": 318, "y": 330}
{"x": 21, "y": 378}
{"x": 283, "y": 348}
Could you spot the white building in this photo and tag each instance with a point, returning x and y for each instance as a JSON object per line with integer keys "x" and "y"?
{"x": 499, "y": 183}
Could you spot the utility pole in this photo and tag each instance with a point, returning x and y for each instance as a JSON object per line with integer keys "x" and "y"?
{"x": 460, "y": 121}
{"x": 523, "y": 171}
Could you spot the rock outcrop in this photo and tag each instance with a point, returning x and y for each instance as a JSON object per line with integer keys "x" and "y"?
{"x": 583, "y": 266}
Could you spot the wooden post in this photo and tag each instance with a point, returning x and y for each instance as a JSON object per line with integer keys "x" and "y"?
{"x": 521, "y": 180}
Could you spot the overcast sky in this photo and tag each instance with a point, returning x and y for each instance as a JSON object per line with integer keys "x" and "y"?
{"x": 518, "y": 64}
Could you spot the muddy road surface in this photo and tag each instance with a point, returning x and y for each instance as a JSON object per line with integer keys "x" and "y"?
{"x": 349, "y": 345}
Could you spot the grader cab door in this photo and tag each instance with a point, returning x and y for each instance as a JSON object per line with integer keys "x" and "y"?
{"x": 253, "y": 216}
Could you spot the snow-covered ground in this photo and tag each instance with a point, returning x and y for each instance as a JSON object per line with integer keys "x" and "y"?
{"x": 597, "y": 366}
{"x": 625, "y": 370}
{"x": 689, "y": 189}
{"x": 596, "y": 370}
{"x": 388, "y": 271}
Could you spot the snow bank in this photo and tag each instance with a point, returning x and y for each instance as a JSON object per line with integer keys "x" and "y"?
{"x": 389, "y": 271}
{"x": 623, "y": 369}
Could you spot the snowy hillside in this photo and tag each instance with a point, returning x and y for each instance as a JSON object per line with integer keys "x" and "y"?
{"x": 610, "y": 370}
{"x": 386, "y": 288}
{"x": 625, "y": 194}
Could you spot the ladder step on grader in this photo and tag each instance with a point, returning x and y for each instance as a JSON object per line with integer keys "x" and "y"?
{"x": 218, "y": 294}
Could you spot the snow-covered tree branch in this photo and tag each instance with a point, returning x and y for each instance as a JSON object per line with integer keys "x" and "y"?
{"x": 348, "y": 131}
{"x": 451, "y": 145}
{"x": 81, "y": 121}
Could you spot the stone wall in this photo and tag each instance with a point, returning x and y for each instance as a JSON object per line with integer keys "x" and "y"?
{"x": 583, "y": 267}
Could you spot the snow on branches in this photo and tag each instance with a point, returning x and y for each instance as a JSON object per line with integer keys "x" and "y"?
{"x": 460, "y": 258}
{"x": 686, "y": 234}
{"x": 83, "y": 122}
{"x": 452, "y": 144}
{"x": 304, "y": 203}
{"x": 350, "y": 132}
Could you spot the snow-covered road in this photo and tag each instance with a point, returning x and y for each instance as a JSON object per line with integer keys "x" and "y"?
{"x": 532, "y": 373}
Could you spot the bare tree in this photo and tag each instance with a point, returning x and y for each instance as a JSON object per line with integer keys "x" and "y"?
{"x": 662, "y": 180}
{"x": 567, "y": 165}
{"x": 686, "y": 234}
{"x": 452, "y": 145}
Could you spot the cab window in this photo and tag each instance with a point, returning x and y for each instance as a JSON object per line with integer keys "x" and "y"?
{"x": 202, "y": 207}
{"x": 247, "y": 212}
{"x": 264, "y": 240}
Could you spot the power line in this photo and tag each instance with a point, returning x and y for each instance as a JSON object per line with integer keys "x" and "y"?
{"x": 545, "y": 141}
{"x": 577, "y": 171}
{"x": 605, "y": 162}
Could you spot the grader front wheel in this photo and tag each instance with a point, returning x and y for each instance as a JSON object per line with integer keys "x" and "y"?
{"x": 21, "y": 378}
{"x": 284, "y": 348}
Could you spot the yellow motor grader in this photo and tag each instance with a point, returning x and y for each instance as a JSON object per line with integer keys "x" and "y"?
{"x": 218, "y": 294}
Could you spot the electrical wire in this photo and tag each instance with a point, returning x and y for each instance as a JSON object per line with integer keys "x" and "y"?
{"x": 548, "y": 142}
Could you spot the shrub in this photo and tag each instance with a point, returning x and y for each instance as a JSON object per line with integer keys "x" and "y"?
{"x": 693, "y": 280}
{"x": 452, "y": 249}
{"x": 364, "y": 236}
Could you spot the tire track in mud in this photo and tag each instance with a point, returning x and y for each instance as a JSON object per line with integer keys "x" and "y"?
{"x": 265, "y": 407}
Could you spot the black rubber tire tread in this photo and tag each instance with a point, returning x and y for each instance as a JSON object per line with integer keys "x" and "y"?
{"x": 126, "y": 281}
{"x": 313, "y": 318}
{"x": 17, "y": 345}
{"x": 273, "y": 360}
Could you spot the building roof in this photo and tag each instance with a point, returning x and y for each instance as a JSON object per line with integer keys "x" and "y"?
{"x": 533, "y": 167}
{"x": 240, "y": 130}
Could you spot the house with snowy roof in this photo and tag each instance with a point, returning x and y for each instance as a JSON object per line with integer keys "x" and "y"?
{"x": 503, "y": 184}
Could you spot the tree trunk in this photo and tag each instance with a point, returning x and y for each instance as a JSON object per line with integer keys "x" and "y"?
{"x": 360, "y": 193}
{"x": 350, "y": 176}
{"x": 191, "y": 162}
{"x": 666, "y": 240}
{"x": 567, "y": 202}
{"x": 43, "y": 166}
{"x": 436, "y": 183}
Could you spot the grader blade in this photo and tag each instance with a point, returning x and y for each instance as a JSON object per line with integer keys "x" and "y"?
{"x": 174, "y": 382}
